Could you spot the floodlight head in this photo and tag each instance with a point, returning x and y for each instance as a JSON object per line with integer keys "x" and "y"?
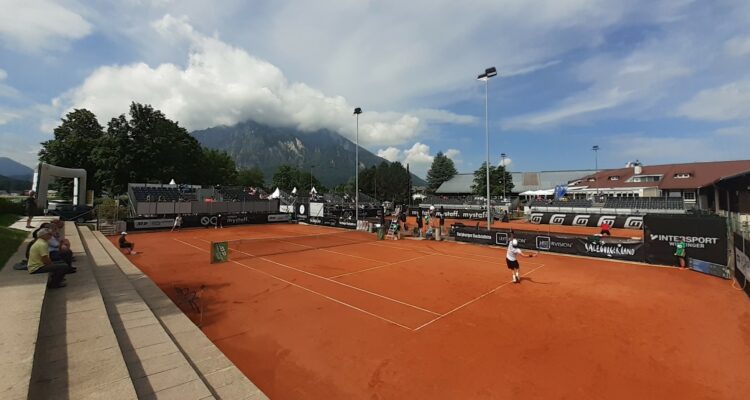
{"x": 502, "y": 155}
{"x": 488, "y": 73}
{"x": 595, "y": 148}
{"x": 357, "y": 111}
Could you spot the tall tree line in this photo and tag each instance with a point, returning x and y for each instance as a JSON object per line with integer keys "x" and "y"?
{"x": 144, "y": 146}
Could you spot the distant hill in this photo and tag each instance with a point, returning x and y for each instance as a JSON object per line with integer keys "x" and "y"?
{"x": 14, "y": 185}
{"x": 251, "y": 144}
{"x": 13, "y": 169}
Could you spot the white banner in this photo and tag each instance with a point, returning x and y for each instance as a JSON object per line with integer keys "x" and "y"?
{"x": 743, "y": 262}
{"x": 153, "y": 223}
{"x": 278, "y": 217}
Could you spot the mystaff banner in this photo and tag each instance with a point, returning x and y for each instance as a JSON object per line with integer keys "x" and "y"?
{"x": 590, "y": 220}
{"x": 705, "y": 237}
{"x": 453, "y": 213}
{"x": 566, "y": 244}
{"x": 207, "y": 220}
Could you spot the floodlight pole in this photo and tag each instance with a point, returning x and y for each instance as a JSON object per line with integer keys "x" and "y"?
{"x": 596, "y": 166}
{"x": 502, "y": 163}
{"x": 357, "y": 111}
{"x": 488, "y": 73}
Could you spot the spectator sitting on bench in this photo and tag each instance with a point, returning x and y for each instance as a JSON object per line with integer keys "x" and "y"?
{"x": 40, "y": 261}
{"x": 124, "y": 244}
{"x": 59, "y": 247}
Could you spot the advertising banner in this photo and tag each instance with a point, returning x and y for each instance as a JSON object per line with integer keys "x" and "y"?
{"x": 705, "y": 237}
{"x": 555, "y": 243}
{"x": 631, "y": 251}
{"x": 219, "y": 252}
{"x": 153, "y": 223}
{"x": 590, "y": 220}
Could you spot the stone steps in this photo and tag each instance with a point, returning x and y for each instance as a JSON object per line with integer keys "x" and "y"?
{"x": 77, "y": 355}
{"x": 157, "y": 367}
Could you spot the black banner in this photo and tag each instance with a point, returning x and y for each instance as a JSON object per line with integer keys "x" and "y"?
{"x": 590, "y": 220}
{"x": 630, "y": 250}
{"x": 205, "y": 220}
{"x": 454, "y": 213}
{"x": 555, "y": 243}
{"x": 705, "y": 237}
{"x": 333, "y": 222}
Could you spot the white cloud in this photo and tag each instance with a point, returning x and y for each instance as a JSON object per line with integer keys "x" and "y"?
{"x": 453, "y": 154}
{"x": 506, "y": 162}
{"x": 444, "y": 117}
{"x": 33, "y": 25}
{"x": 725, "y": 103}
{"x": 675, "y": 149}
{"x": 419, "y": 153}
{"x": 636, "y": 79}
{"x": 738, "y": 46}
{"x": 223, "y": 85}
{"x": 733, "y": 131}
{"x": 391, "y": 154}
{"x": 418, "y": 156}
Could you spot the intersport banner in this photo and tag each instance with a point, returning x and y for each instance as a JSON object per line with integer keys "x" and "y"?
{"x": 590, "y": 220}
{"x": 705, "y": 237}
{"x": 609, "y": 248}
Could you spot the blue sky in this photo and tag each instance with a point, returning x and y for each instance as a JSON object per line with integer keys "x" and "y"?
{"x": 661, "y": 82}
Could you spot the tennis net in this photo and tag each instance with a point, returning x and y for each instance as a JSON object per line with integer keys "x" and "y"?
{"x": 262, "y": 247}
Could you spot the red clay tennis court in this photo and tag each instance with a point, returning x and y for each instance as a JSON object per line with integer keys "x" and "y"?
{"x": 415, "y": 319}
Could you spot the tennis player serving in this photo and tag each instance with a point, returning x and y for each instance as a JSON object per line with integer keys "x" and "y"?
{"x": 511, "y": 259}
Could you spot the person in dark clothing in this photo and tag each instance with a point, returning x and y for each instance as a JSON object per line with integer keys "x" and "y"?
{"x": 419, "y": 222}
{"x": 124, "y": 244}
{"x": 30, "y": 207}
{"x": 442, "y": 220}
{"x": 402, "y": 216}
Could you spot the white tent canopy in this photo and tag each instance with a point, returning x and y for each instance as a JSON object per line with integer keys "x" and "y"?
{"x": 276, "y": 194}
{"x": 313, "y": 191}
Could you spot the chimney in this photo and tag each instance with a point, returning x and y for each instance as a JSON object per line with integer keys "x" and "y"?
{"x": 637, "y": 168}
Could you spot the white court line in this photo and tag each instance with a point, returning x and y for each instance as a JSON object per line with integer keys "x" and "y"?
{"x": 471, "y": 301}
{"x": 311, "y": 247}
{"x": 343, "y": 284}
{"x": 308, "y": 290}
{"x": 380, "y": 266}
{"x": 335, "y": 281}
{"x": 435, "y": 253}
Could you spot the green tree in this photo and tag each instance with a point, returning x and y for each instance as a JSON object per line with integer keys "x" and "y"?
{"x": 442, "y": 169}
{"x": 499, "y": 177}
{"x": 251, "y": 177}
{"x": 217, "y": 168}
{"x": 75, "y": 140}
{"x": 147, "y": 147}
{"x": 386, "y": 181}
{"x": 287, "y": 177}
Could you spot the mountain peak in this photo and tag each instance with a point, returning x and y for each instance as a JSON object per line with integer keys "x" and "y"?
{"x": 13, "y": 169}
{"x": 328, "y": 155}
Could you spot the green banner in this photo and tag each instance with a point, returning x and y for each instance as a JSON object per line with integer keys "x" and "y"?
{"x": 219, "y": 252}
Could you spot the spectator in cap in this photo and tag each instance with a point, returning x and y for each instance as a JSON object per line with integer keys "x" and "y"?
{"x": 124, "y": 244}
{"x": 40, "y": 261}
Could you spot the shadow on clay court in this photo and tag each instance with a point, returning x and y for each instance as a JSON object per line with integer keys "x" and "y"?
{"x": 531, "y": 280}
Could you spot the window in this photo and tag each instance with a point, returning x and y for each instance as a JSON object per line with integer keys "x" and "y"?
{"x": 592, "y": 179}
{"x": 614, "y": 178}
{"x": 645, "y": 178}
{"x": 689, "y": 196}
{"x": 683, "y": 175}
